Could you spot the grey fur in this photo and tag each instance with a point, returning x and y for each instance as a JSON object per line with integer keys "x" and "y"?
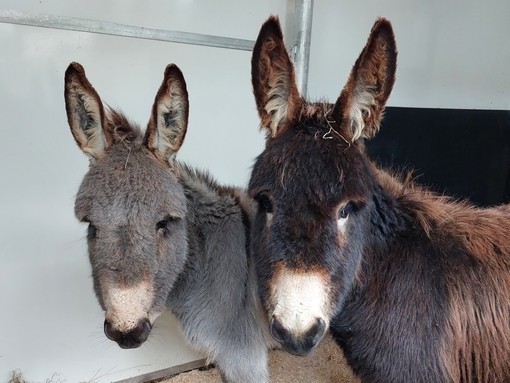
{"x": 197, "y": 263}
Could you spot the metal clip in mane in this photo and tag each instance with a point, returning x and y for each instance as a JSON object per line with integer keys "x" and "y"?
{"x": 328, "y": 136}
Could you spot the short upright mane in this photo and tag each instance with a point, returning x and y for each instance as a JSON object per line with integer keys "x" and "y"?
{"x": 204, "y": 179}
{"x": 431, "y": 209}
{"x": 122, "y": 128}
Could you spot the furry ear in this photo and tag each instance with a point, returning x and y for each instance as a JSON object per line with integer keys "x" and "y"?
{"x": 360, "y": 106}
{"x": 273, "y": 80}
{"x": 169, "y": 119}
{"x": 85, "y": 113}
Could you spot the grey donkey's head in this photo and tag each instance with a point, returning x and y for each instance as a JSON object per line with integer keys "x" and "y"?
{"x": 132, "y": 200}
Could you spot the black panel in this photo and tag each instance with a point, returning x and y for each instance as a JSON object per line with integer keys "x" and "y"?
{"x": 465, "y": 153}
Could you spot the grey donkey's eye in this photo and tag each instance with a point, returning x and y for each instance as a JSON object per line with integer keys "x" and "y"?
{"x": 162, "y": 226}
{"x": 91, "y": 231}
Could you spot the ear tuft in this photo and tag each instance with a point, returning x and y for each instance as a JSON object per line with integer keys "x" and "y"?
{"x": 169, "y": 120}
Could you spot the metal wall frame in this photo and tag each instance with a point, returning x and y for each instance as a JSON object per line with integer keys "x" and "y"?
{"x": 300, "y": 42}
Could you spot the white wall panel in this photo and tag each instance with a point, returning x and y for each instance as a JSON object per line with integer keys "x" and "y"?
{"x": 452, "y": 54}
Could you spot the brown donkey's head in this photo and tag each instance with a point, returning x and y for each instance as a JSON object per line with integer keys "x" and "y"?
{"x": 312, "y": 183}
{"x": 133, "y": 202}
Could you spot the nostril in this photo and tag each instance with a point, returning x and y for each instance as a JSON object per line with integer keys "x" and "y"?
{"x": 110, "y": 332}
{"x": 278, "y": 332}
{"x": 142, "y": 331}
{"x": 315, "y": 334}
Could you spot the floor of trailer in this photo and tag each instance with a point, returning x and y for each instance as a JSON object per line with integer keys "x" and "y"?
{"x": 327, "y": 365}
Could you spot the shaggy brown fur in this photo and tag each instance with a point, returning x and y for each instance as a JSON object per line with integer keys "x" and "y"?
{"x": 420, "y": 282}
{"x": 474, "y": 299}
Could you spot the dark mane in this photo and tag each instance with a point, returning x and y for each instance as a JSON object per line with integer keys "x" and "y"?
{"x": 435, "y": 212}
{"x": 123, "y": 129}
{"x": 431, "y": 209}
{"x": 204, "y": 178}
{"x": 128, "y": 132}
{"x": 318, "y": 111}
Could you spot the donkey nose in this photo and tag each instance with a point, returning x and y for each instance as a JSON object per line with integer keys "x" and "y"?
{"x": 298, "y": 344}
{"x": 130, "y": 339}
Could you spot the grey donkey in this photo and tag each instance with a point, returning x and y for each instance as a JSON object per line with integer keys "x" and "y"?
{"x": 163, "y": 234}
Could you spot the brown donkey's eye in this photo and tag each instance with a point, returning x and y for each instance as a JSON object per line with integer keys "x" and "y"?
{"x": 346, "y": 210}
{"x": 265, "y": 203}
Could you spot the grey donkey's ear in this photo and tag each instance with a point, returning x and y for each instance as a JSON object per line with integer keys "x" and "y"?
{"x": 169, "y": 119}
{"x": 85, "y": 113}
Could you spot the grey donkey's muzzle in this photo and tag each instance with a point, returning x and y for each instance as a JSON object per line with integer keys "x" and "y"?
{"x": 132, "y": 338}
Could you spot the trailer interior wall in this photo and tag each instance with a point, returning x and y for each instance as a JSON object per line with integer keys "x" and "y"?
{"x": 451, "y": 54}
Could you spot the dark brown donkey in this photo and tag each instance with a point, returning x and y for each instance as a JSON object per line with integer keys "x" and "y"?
{"x": 161, "y": 234}
{"x": 414, "y": 287}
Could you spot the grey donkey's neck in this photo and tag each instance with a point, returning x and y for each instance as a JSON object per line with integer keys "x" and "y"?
{"x": 216, "y": 215}
{"x": 212, "y": 202}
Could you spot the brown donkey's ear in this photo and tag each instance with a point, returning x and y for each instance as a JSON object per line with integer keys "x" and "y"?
{"x": 361, "y": 103}
{"x": 85, "y": 113}
{"x": 273, "y": 80}
{"x": 169, "y": 119}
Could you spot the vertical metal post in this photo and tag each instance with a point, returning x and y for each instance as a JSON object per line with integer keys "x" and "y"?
{"x": 303, "y": 12}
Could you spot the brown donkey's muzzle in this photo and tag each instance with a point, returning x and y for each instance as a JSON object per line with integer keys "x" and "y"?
{"x": 298, "y": 345}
